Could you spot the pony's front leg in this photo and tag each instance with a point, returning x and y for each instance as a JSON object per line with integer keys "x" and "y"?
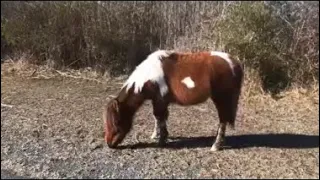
{"x": 156, "y": 129}
{"x": 161, "y": 132}
{"x": 160, "y": 113}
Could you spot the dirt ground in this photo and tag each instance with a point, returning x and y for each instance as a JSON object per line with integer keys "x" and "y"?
{"x": 52, "y": 128}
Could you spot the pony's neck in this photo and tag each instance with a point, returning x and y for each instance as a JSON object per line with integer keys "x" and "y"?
{"x": 131, "y": 103}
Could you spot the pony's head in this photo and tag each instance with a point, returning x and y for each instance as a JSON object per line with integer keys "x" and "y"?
{"x": 117, "y": 123}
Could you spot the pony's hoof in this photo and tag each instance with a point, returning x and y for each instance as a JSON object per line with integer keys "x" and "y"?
{"x": 215, "y": 148}
{"x": 162, "y": 143}
{"x": 155, "y": 135}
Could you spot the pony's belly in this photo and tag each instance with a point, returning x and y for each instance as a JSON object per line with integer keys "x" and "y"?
{"x": 186, "y": 99}
{"x": 190, "y": 89}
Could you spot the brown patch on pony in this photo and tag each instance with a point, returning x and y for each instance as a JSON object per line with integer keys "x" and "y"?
{"x": 208, "y": 73}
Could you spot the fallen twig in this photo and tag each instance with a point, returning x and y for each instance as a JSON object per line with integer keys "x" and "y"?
{"x": 6, "y": 105}
{"x": 112, "y": 96}
{"x": 33, "y": 73}
{"x": 77, "y": 77}
{"x": 43, "y": 76}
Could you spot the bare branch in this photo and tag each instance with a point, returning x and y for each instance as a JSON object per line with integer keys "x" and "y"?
{"x": 6, "y": 105}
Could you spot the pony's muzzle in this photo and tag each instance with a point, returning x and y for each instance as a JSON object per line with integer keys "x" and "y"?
{"x": 115, "y": 141}
{"x": 111, "y": 145}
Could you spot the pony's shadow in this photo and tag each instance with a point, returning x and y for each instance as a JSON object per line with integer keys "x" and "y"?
{"x": 297, "y": 141}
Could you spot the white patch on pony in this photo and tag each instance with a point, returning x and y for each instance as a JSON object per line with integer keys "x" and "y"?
{"x": 224, "y": 56}
{"x": 149, "y": 69}
{"x": 156, "y": 130}
{"x": 188, "y": 82}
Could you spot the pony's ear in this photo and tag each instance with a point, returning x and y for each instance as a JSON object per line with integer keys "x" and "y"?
{"x": 122, "y": 95}
{"x": 114, "y": 104}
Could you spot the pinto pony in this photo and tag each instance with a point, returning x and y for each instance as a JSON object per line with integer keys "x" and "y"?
{"x": 185, "y": 79}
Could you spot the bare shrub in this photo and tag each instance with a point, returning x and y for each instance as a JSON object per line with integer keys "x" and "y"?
{"x": 278, "y": 40}
{"x": 266, "y": 40}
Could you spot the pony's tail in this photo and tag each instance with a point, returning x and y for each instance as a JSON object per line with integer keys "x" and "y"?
{"x": 239, "y": 78}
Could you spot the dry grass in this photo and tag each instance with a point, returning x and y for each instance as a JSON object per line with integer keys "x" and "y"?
{"x": 54, "y": 130}
{"x": 22, "y": 68}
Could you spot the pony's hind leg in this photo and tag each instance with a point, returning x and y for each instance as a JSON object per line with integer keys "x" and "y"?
{"x": 220, "y": 135}
{"x": 226, "y": 104}
{"x": 160, "y": 113}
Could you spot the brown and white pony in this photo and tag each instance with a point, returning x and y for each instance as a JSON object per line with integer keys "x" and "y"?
{"x": 182, "y": 78}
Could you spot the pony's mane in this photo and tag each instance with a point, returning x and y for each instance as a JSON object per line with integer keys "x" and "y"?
{"x": 149, "y": 70}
